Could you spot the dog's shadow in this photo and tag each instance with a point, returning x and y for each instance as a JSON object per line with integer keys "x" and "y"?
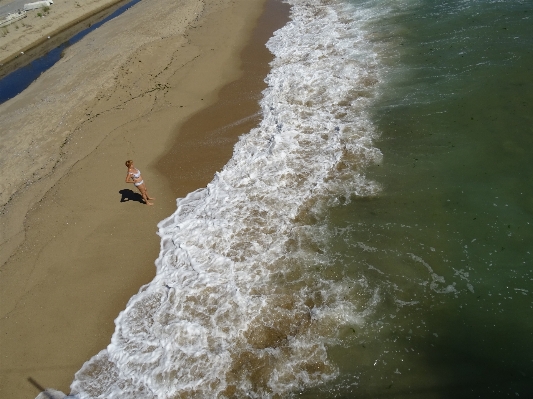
{"x": 128, "y": 195}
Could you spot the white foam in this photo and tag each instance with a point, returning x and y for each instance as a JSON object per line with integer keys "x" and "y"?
{"x": 237, "y": 306}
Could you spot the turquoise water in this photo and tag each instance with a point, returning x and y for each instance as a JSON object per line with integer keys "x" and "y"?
{"x": 455, "y": 114}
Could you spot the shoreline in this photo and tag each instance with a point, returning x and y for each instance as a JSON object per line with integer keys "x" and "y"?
{"x": 214, "y": 130}
{"x": 79, "y": 255}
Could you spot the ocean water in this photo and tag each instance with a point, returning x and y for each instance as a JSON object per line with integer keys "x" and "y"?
{"x": 370, "y": 238}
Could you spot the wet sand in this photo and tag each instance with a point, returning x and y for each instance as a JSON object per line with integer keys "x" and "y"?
{"x": 76, "y": 243}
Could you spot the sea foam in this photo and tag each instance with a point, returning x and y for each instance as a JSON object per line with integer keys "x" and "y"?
{"x": 239, "y": 306}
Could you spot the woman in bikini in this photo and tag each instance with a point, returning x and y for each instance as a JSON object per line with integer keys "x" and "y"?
{"x": 134, "y": 176}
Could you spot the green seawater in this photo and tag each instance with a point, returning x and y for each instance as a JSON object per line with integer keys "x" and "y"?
{"x": 448, "y": 242}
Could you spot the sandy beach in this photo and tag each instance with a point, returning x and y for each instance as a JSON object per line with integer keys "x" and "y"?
{"x": 40, "y": 26}
{"x": 75, "y": 241}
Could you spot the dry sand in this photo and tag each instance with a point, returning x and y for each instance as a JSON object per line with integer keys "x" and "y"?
{"x": 39, "y": 25}
{"x": 72, "y": 252}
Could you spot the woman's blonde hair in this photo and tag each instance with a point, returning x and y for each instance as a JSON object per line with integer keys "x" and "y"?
{"x": 129, "y": 162}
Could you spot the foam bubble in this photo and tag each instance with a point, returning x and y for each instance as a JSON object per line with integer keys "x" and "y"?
{"x": 238, "y": 305}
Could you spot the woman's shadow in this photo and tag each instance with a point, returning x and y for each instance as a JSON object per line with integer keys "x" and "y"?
{"x": 128, "y": 195}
